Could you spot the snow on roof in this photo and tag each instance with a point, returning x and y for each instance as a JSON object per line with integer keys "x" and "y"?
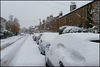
{"x": 1, "y": 18}
{"x": 76, "y": 9}
{"x": 73, "y": 3}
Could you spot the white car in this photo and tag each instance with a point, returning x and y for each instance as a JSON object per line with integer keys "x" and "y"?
{"x": 73, "y": 49}
{"x": 36, "y": 37}
{"x": 22, "y": 34}
{"x": 45, "y": 39}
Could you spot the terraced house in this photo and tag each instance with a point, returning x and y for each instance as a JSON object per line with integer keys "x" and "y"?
{"x": 80, "y": 17}
{"x": 86, "y": 16}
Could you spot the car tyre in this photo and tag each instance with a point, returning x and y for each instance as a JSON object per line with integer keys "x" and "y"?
{"x": 41, "y": 52}
{"x": 47, "y": 65}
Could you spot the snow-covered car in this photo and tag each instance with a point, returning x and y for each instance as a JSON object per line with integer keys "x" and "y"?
{"x": 45, "y": 39}
{"x": 1, "y": 35}
{"x": 22, "y": 34}
{"x": 73, "y": 49}
{"x": 36, "y": 37}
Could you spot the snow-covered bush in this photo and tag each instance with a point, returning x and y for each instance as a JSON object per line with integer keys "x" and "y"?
{"x": 75, "y": 29}
{"x": 5, "y": 34}
{"x": 70, "y": 29}
{"x": 93, "y": 29}
{"x": 61, "y": 29}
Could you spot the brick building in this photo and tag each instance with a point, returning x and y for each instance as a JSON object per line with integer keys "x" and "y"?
{"x": 76, "y": 17}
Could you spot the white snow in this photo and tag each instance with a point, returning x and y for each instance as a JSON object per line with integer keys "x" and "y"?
{"x": 76, "y": 46}
{"x": 72, "y": 49}
{"x": 48, "y": 37}
{"x": 62, "y": 27}
{"x": 8, "y": 41}
{"x": 24, "y": 52}
{"x": 45, "y": 39}
{"x": 70, "y": 29}
{"x": 8, "y": 53}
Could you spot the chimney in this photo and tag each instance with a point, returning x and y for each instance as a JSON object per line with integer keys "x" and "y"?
{"x": 72, "y": 6}
{"x": 61, "y": 13}
{"x": 43, "y": 21}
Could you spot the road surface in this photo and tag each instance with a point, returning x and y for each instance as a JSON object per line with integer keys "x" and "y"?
{"x": 23, "y": 52}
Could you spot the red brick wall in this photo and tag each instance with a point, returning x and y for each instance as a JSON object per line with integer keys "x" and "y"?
{"x": 74, "y": 18}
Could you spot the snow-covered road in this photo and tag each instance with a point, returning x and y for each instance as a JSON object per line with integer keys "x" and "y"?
{"x": 24, "y": 52}
{"x": 9, "y": 41}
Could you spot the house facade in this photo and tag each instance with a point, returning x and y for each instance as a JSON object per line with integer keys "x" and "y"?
{"x": 78, "y": 17}
{"x": 2, "y": 24}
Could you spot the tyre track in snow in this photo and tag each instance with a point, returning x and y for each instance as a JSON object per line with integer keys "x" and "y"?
{"x": 8, "y": 44}
{"x": 9, "y": 56}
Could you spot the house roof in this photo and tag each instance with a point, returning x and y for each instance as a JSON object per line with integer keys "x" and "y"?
{"x": 1, "y": 18}
{"x": 76, "y": 9}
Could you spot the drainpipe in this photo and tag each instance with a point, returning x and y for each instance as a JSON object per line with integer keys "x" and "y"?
{"x": 99, "y": 17}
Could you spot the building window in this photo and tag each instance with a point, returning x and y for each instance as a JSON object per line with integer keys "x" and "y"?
{"x": 66, "y": 19}
{"x": 83, "y": 24}
{"x": 86, "y": 11}
{"x": 82, "y": 12}
{"x": 71, "y": 17}
{"x": 63, "y": 20}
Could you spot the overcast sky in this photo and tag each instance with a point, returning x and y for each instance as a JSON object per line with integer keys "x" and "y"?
{"x": 29, "y": 12}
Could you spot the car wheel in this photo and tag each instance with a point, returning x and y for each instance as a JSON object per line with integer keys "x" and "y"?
{"x": 41, "y": 52}
{"x": 39, "y": 48}
{"x": 37, "y": 43}
{"x": 47, "y": 65}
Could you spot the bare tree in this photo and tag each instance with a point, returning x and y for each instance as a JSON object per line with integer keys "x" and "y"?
{"x": 96, "y": 14}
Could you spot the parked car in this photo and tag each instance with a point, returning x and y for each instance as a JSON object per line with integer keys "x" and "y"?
{"x": 73, "y": 49}
{"x": 36, "y": 37}
{"x": 1, "y": 35}
{"x": 22, "y": 34}
{"x": 45, "y": 39}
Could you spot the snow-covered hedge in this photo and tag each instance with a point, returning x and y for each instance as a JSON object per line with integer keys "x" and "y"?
{"x": 70, "y": 29}
{"x": 75, "y": 29}
{"x": 5, "y": 33}
{"x": 61, "y": 29}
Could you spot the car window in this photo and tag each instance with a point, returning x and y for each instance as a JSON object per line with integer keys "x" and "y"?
{"x": 96, "y": 41}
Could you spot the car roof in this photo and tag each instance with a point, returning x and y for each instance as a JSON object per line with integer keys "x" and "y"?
{"x": 48, "y": 36}
{"x": 79, "y": 42}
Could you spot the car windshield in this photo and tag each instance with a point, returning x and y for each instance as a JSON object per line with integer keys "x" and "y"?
{"x": 96, "y": 41}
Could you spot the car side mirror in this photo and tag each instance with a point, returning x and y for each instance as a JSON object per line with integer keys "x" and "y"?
{"x": 61, "y": 64}
{"x": 40, "y": 40}
{"x": 48, "y": 45}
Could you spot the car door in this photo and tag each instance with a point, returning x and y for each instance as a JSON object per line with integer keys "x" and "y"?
{"x": 53, "y": 57}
